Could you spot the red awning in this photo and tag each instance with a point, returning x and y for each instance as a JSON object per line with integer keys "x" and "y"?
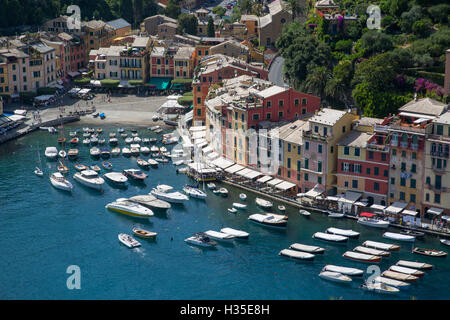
{"x": 367, "y": 214}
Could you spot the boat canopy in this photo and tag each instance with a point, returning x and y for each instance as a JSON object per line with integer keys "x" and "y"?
{"x": 234, "y": 168}
{"x": 367, "y": 214}
{"x": 396, "y": 207}
{"x": 285, "y": 185}
{"x": 435, "y": 211}
{"x": 222, "y": 163}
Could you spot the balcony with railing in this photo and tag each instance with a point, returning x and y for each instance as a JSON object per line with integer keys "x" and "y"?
{"x": 437, "y": 188}
{"x": 380, "y": 128}
{"x": 315, "y": 136}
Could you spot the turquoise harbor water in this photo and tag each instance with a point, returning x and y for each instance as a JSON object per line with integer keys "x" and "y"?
{"x": 45, "y": 230}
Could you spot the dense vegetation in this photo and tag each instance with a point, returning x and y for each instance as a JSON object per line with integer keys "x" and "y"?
{"x": 376, "y": 70}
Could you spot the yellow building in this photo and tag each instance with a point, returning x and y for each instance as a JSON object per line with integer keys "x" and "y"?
{"x": 184, "y": 63}
{"x": 4, "y": 87}
{"x": 98, "y": 34}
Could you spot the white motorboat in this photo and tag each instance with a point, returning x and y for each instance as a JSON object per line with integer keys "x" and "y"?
{"x": 142, "y": 163}
{"x": 162, "y": 160}
{"x": 94, "y": 140}
{"x": 152, "y": 162}
{"x": 201, "y": 240}
{"x": 62, "y": 154}
{"x": 38, "y": 172}
{"x": 137, "y": 139}
{"x": 59, "y": 182}
{"x": 353, "y": 272}
{"x": 414, "y": 264}
{"x": 330, "y": 237}
{"x": 375, "y": 252}
{"x": 86, "y": 141}
{"x": 399, "y": 237}
{"x": 266, "y": 204}
{"x": 445, "y": 242}
{"x": 347, "y": 233}
{"x": 116, "y": 177}
{"x": 135, "y": 151}
{"x": 380, "y": 288}
{"x": 145, "y": 150}
{"x": 223, "y": 192}
{"x": 406, "y": 270}
{"x": 219, "y": 236}
{"x": 128, "y": 240}
{"x": 304, "y": 213}
{"x": 333, "y": 214}
{"x": 129, "y": 208}
{"x": 239, "y": 234}
{"x": 178, "y": 162}
{"x": 112, "y": 134}
{"x": 240, "y": 205}
{"x": 154, "y": 149}
{"x": 129, "y": 140}
{"x": 268, "y": 220}
{"x": 399, "y": 276}
{"x": 163, "y": 149}
{"x": 90, "y": 179}
{"x": 392, "y": 282}
{"x": 115, "y": 151}
{"x": 194, "y": 192}
{"x": 306, "y": 248}
{"x": 361, "y": 257}
{"x": 232, "y": 210}
{"x": 335, "y": 276}
{"x": 381, "y": 245}
{"x": 282, "y": 208}
{"x": 297, "y": 255}
{"x": 243, "y": 196}
{"x": 113, "y": 141}
{"x": 375, "y": 223}
{"x": 95, "y": 152}
{"x": 51, "y": 152}
{"x": 151, "y": 202}
{"x": 211, "y": 186}
{"x": 163, "y": 193}
{"x": 126, "y": 152}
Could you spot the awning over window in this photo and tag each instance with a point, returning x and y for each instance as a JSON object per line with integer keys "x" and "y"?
{"x": 396, "y": 207}
{"x": 435, "y": 211}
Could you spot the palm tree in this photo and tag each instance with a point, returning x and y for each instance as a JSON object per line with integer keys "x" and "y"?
{"x": 295, "y": 7}
{"x": 316, "y": 80}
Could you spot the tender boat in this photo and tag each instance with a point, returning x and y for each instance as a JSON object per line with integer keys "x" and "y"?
{"x": 74, "y": 141}
{"x": 263, "y": 203}
{"x": 415, "y": 265}
{"x": 405, "y": 270}
{"x": 353, "y": 272}
{"x": 113, "y": 141}
{"x": 90, "y": 179}
{"x": 330, "y": 237}
{"x": 335, "y": 276}
{"x": 194, "y": 192}
{"x": 162, "y": 192}
{"x": 145, "y": 150}
{"x": 211, "y": 185}
{"x": 80, "y": 167}
{"x": 115, "y": 151}
{"x": 306, "y": 248}
{"x": 95, "y": 167}
{"x": 282, "y": 208}
{"x": 135, "y": 174}
{"x": 374, "y": 252}
{"x": 62, "y": 168}
{"x": 268, "y": 220}
{"x": 72, "y": 154}
{"x": 361, "y": 257}
{"x": 94, "y": 140}
{"x": 59, "y": 182}
{"x": 399, "y": 276}
{"x": 202, "y": 240}
{"x": 304, "y": 213}
{"x": 154, "y": 163}
{"x": 379, "y": 287}
{"x": 62, "y": 154}
{"x": 142, "y": 233}
{"x": 445, "y": 242}
{"x": 101, "y": 141}
{"x": 126, "y": 152}
{"x": 94, "y": 152}
{"x": 86, "y": 141}
{"x": 381, "y": 245}
{"x": 297, "y": 255}
{"x": 142, "y": 163}
{"x": 430, "y": 252}
{"x": 38, "y": 172}
{"x": 398, "y": 237}
{"x": 223, "y": 192}
{"x": 416, "y": 234}
{"x": 107, "y": 165}
{"x": 375, "y": 223}
{"x": 240, "y": 205}
{"x": 347, "y": 233}
{"x": 333, "y": 214}
{"x": 129, "y": 208}
{"x": 105, "y": 153}
{"x": 116, "y": 177}
{"x": 129, "y": 140}
{"x": 219, "y": 236}
{"x": 391, "y": 282}
{"x": 232, "y": 210}
{"x": 51, "y": 152}
{"x": 243, "y": 196}
{"x": 151, "y": 202}
{"x": 154, "y": 149}
{"x": 128, "y": 240}
{"x": 238, "y": 234}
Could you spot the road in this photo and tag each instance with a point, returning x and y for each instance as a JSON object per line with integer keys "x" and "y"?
{"x": 276, "y": 72}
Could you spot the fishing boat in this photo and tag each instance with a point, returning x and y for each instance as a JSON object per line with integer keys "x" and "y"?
{"x": 142, "y": 163}
{"x": 74, "y": 141}
{"x": 296, "y": 255}
{"x": 223, "y": 192}
{"x": 414, "y": 264}
{"x": 219, "y": 236}
{"x": 142, "y": 233}
{"x": 90, "y": 179}
{"x": 330, "y": 237}
{"x": 86, "y": 141}
{"x": 335, "y": 276}
{"x": 282, "y": 208}
{"x": 129, "y": 208}
{"x": 445, "y": 242}
{"x": 240, "y": 205}
{"x": 107, "y": 165}
{"x": 381, "y": 245}
{"x": 243, "y": 196}
{"x": 306, "y": 248}
{"x": 399, "y": 276}
{"x": 201, "y": 240}
{"x": 151, "y": 202}
{"x": 62, "y": 154}
{"x": 334, "y": 214}
{"x": 391, "y": 282}
{"x": 116, "y": 177}
{"x": 163, "y": 192}
{"x": 95, "y": 167}
{"x": 268, "y": 220}
{"x": 105, "y": 153}
{"x": 380, "y": 288}
{"x": 416, "y": 234}
{"x": 59, "y": 182}
{"x": 128, "y": 240}
{"x": 371, "y": 251}
{"x": 135, "y": 174}
{"x": 361, "y": 257}
{"x": 72, "y": 154}
{"x": 405, "y": 270}
{"x": 126, "y": 152}
{"x": 115, "y": 151}
{"x": 232, "y": 210}
{"x": 398, "y": 237}
{"x": 238, "y": 234}
{"x": 304, "y": 213}
{"x": 374, "y": 223}
{"x": 80, "y": 167}
{"x": 430, "y": 252}
{"x": 347, "y": 233}
{"x": 263, "y": 203}
{"x": 95, "y": 152}
{"x": 194, "y": 192}
{"x": 211, "y": 186}
{"x": 353, "y": 272}
{"x": 51, "y": 153}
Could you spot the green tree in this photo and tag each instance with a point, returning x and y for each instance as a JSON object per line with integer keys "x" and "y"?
{"x": 210, "y": 31}
{"x": 126, "y": 10}
{"x": 316, "y": 80}
{"x": 220, "y": 11}
{"x": 440, "y": 12}
{"x": 338, "y": 86}
{"x": 422, "y": 27}
{"x": 295, "y": 7}
{"x": 188, "y": 23}
{"x": 374, "y": 41}
{"x": 173, "y": 9}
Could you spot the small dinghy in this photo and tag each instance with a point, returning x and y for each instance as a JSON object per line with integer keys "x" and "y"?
{"x": 80, "y": 167}
{"x": 107, "y": 165}
{"x": 211, "y": 186}
{"x": 374, "y": 252}
{"x": 238, "y": 234}
{"x": 201, "y": 240}
{"x": 263, "y": 203}
{"x": 232, "y": 210}
{"x": 154, "y": 163}
{"x": 445, "y": 242}
{"x": 392, "y": 282}
{"x": 380, "y": 288}
{"x": 381, "y": 245}
{"x": 74, "y": 141}
{"x": 62, "y": 154}
{"x": 144, "y": 233}
{"x": 95, "y": 152}
{"x": 38, "y": 172}
{"x": 116, "y": 177}
{"x": 415, "y": 265}
{"x": 128, "y": 240}
{"x": 268, "y": 220}
{"x": 72, "y": 154}
{"x": 126, "y": 152}
{"x": 135, "y": 174}
{"x": 240, "y": 206}
{"x": 398, "y": 237}
{"x": 335, "y": 276}
{"x": 341, "y": 232}
{"x": 129, "y": 140}
{"x": 142, "y": 163}
{"x": 223, "y": 192}
{"x": 86, "y": 141}
{"x": 304, "y": 213}
{"x": 330, "y": 237}
{"x": 282, "y": 208}
{"x": 399, "y": 276}
{"x": 353, "y": 272}
{"x": 243, "y": 196}
{"x": 115, "y": 151}
{"x": 95, "y": 167}
{"x": 430, "y": 252}
{"x": 333, "y": 214}
{"x": 219, "y": 236}
{"x": 416, "y": 234}
{"x": 296, "y": 255}
{"x": 405, "y": 270}
{"x": 306, "y": 248}
{"x": 361, "y": 257}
